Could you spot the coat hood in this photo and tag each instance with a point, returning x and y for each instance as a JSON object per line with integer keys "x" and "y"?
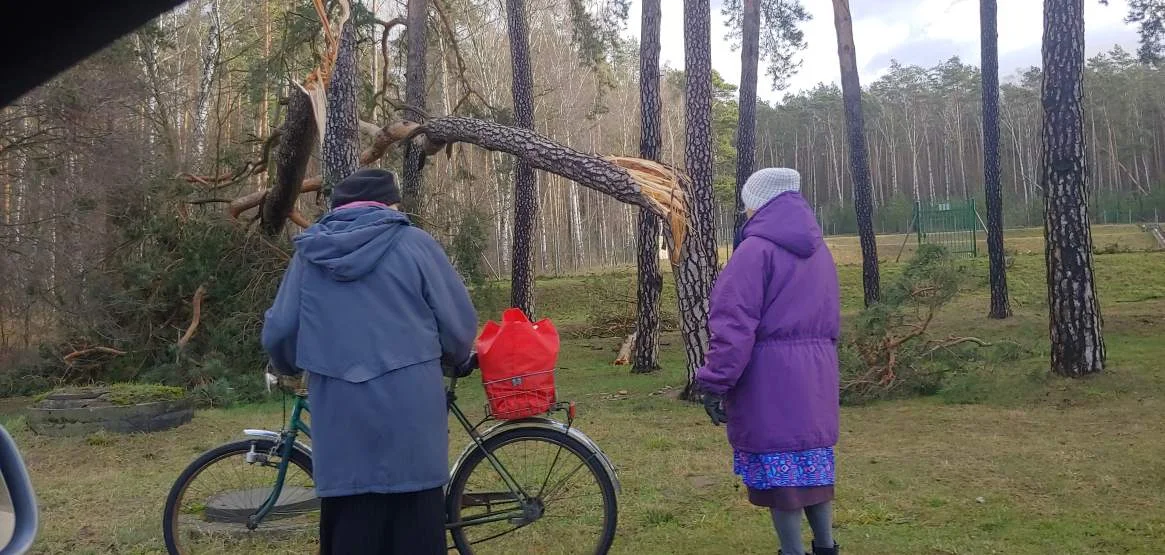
{"x": 788, "y": 222}
{"x": 349, "y": 242}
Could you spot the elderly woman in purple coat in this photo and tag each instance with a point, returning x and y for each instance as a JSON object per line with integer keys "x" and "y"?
{"x": 771, "y": 372}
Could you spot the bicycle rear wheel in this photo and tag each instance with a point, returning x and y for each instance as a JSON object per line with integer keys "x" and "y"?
{"x": 572, "y": 508}
{"x": 210, "y": 502}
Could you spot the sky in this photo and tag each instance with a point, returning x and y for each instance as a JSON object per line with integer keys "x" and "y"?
{"x": 922, "y": 32}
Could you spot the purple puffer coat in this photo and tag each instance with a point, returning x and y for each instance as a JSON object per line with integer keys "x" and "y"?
{"x": 774, "y": 323}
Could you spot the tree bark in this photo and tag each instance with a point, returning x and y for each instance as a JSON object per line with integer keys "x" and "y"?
{"x": 746, "y": 130}
{"x": 650, "y": 286}
{"x": 859, "y": 156}
{"x": 1077, "y": 344}
{"x": 525, "y": 184}
{"x": 1000, "y": 307}
{"x": 413, "y": 190}
{"x": 341, "y": 148}
{"x": 297, "y": 139}
{"x": 211, "y": 51}
{"x": 697, "y": 268}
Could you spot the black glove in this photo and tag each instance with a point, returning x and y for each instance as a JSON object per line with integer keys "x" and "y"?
{"x": 714, "y": 406}
{"x": 461, "y": 370}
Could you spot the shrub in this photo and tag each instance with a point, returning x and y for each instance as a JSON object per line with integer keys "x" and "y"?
{"x": 142, "y": 303}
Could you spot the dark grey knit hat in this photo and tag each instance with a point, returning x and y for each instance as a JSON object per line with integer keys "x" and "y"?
{"x": 369, "y": 184}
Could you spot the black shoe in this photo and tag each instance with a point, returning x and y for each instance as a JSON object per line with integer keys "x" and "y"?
{"x": 826, "y": 550}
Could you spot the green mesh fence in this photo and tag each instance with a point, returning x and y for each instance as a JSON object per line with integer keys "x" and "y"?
{"x": 954, "y": 225}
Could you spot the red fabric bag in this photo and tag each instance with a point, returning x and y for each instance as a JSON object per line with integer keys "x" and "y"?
{"x": 517, "y": 360}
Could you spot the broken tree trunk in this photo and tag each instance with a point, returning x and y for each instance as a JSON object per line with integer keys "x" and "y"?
{"x": 341, "y": 148}
{"x": 297, "y": 139}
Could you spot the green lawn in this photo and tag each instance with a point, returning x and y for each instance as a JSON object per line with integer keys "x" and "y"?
{"x": 1004, "y": 460}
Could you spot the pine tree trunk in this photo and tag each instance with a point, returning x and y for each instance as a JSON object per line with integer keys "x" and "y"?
{"x": 412, "y": 191}
{"x": 859, "y": 157}
{"x": 1000, "y": 307}
{"x": 650, "y": 286}
{"x": 341, "y": 148}
{"x": 1077, "y": 345}
{"x": 697, "y": 268}
{"x": 746, "y": 130}
{"x": 525, "y": 186}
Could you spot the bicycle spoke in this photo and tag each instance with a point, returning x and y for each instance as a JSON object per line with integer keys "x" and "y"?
{"x": 569, "y": 513}
{"x": 498, "y": 535}
{"x": 562, "y": 482}
{"x": 553, "y": 463}
{"x": 216, "y": 504}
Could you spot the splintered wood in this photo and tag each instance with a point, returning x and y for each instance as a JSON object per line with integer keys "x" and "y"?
{"x": 664, "y": 186}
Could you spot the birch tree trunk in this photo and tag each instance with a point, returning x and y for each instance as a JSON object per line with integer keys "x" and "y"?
{"x": 1077, "y": 344}
{"x": 210, "y": 57}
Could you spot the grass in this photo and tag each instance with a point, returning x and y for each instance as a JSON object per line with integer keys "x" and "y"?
{"x": 1004, "y": 459}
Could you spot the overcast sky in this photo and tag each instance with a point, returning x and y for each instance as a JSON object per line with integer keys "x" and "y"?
{"x": 923, "y": 32}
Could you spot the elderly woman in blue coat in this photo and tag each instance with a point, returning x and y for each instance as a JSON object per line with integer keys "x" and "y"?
{"x": 370, "y": 308}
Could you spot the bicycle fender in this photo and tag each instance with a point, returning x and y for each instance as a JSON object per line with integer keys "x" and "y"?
{"x": 274, "y": 436}
{"x": 549, "y": 424}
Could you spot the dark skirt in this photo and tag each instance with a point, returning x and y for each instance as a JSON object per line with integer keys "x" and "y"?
{"x": 790, "y": 498}
{"x": 384, "y": 524}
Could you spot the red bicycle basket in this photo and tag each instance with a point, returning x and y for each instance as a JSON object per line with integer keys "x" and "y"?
{"x": 517, "y": 360}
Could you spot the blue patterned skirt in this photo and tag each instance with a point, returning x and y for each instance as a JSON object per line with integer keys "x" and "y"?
{"x": 787, "y": 481}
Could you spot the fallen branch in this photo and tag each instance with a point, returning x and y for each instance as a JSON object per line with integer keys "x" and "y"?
{"x": 196, "y": 302}
{"x": 299, "y": 219}
{"x": 249, "y": 169}
{"x": 251, "y": 200}
{"x": 69, "y": 358}
{"x": 952, "y": 341}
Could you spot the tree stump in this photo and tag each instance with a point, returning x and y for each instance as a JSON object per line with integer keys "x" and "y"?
{"x": 82, "y": 412}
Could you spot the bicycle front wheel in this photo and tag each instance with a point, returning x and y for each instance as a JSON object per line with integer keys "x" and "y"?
{"x": 209, "y": 505}
{"x": 570, "y": 504}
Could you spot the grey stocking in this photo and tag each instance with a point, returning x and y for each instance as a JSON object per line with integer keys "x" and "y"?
{"x": 821, "y": 521}
{"x": 788, "y": 525}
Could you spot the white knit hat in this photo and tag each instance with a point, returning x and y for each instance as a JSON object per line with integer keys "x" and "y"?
{"x": 767, "y": 184}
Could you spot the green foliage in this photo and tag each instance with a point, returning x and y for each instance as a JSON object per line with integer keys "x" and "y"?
{"x": 143, "y": 305}
{"x": 887, "y": 352}
{"x": 467, "y": 247}
{"x": 1149, "y": 15}
{"x": 781, "y": 38}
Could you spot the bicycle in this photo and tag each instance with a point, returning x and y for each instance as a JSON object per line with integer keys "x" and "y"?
{"x": 480, "y": 506}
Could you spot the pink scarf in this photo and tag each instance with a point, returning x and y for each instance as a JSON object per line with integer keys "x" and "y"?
{"x": 362, "y": 204}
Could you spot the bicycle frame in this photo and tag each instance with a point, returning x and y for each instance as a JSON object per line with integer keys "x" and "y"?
{"x": 288, "y": 440}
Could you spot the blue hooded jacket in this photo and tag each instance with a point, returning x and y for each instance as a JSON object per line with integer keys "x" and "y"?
{"x": 369, "y": 307}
